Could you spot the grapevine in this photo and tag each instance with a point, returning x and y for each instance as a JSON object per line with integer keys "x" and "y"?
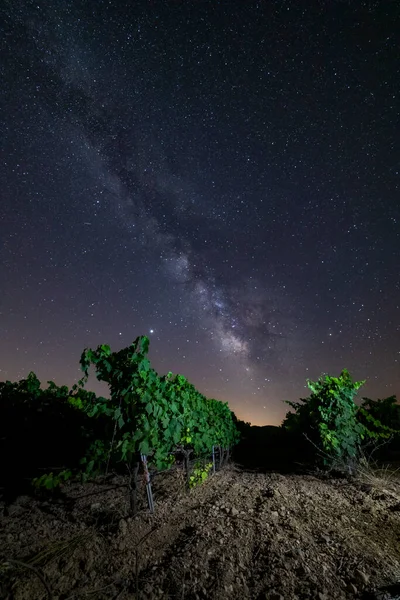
{"x": 152, "y": 415}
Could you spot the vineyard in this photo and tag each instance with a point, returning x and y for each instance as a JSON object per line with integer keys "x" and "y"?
{"x": 148, "y": 421}
{"x": 136, "y": 495}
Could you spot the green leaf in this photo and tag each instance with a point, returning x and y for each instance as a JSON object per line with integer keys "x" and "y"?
{"x": 144, "y": 447}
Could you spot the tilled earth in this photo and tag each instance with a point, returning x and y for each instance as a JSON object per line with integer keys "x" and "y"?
{"x": 241, "y": 535}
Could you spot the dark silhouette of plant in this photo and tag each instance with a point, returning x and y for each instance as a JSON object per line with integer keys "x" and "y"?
{"x": 40, "y": 430}
{"x": 386, "y": 411}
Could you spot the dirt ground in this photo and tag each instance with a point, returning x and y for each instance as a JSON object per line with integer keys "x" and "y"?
{"x": 241, "y": 535}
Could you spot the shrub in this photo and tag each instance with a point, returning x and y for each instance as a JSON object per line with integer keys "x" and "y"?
{"x": 328, "y": 418}
{"x": 40, "y": 430}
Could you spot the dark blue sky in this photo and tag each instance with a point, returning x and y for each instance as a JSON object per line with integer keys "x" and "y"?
{"x": 220, "y": 176}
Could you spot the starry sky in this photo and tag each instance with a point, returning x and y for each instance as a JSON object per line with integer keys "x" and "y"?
{"x": 220, "y": 176}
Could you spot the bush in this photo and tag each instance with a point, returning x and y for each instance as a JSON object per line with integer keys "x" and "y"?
{"x": 40, "y": 430}
{"x": 328, "y": 419}
{"x": 382, "y": 417}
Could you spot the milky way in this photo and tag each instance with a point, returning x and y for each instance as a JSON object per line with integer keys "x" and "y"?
{"x": 222, "y": 177}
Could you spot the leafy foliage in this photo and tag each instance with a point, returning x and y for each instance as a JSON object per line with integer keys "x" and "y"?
{"x": 382, "y": 419}
{"x": 328, "y": 417}
{"x": 200, "y": 474}
{"x": 151, "y": 414}
{"x": 36, "y": 429}
{"x": 386, "y": 411}
{"x": 52, "y": 481}
{"x": 79, "y": 432}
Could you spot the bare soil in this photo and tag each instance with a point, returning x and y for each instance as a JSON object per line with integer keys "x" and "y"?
{"x": 241, "y": 535}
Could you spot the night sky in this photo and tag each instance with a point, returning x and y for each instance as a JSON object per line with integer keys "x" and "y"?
{"x": 220, "y": 176}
